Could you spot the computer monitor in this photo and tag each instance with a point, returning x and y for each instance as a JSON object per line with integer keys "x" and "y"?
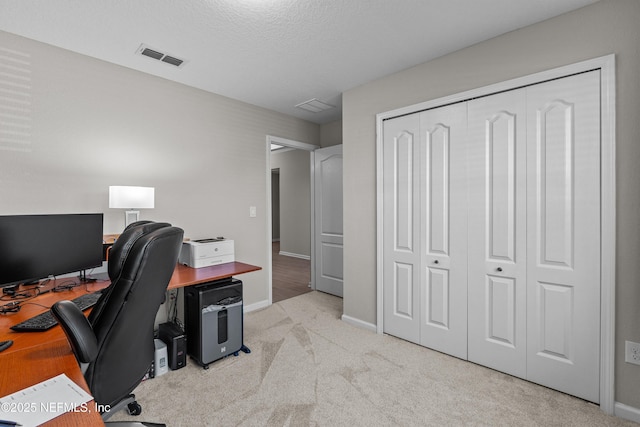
{"x": 33, "y": 247}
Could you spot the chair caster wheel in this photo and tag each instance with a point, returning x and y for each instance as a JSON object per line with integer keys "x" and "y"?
{"x": 134, "y": 408}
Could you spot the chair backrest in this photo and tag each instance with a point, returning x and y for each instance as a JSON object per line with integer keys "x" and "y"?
{"x": 124, "y": 326}
{"x": 117, "y": 256}
{"x": 124, "y": 243}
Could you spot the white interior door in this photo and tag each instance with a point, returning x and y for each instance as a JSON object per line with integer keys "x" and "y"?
{"x": 443, "y": 230}
{"x": 497, "y": 232}
{"x": 563, "y": 234}
{"x": 328, "y": 220}
{"x": 402, "y": 261}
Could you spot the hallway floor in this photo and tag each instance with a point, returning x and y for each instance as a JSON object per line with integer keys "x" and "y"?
{"x": 291, "y": 276}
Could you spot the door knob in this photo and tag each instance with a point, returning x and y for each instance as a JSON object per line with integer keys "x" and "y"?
{"x": 499, "y": 269}
{"x": 435, "y": 262}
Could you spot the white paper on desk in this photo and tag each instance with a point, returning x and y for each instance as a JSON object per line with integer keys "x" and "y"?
{"x": 44, "y": 401}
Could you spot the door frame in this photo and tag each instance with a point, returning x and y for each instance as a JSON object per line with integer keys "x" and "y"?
{"x": 300, "y": 146}
{"x": 606, "y": 65}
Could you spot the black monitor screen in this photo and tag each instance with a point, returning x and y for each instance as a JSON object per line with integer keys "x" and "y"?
{"x": 33, "y": 247}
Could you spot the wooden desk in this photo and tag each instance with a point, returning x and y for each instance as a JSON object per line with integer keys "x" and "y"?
{"x": 187, "y": 276}
{"x": 182, "y": 276}
{"x": 38, "y": 356}
{"x": 37, "y": 305}
{"x": 24, "y": 368}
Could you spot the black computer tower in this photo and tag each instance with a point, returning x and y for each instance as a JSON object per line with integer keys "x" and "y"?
{"x": 213, "y": 320}
{"x": 176, "y": 341}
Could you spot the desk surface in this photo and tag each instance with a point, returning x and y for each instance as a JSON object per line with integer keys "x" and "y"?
{"x": 182, "y": 276}
{"x": 38, "y": 356}
{"x": 37, "y": 305}
{"x": 187, "y": 276}
{"x": 24, "y": 368}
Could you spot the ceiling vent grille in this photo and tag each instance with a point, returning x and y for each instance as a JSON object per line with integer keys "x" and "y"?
{"x": 173, "y": 61}
{"x": 160, "y": 56}
{"x": 314, "y": 105}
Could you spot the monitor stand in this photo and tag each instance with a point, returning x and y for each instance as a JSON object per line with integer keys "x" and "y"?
{"x": 84, "y": 279}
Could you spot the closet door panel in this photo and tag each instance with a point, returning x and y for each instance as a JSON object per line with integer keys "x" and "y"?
{"x": 437, "y": 298}
{"x": 563, "y": 226}
{"x": 402, "y": 222}
{"x": 497, "y": 232}
{"x": 501, "y": 310}
{"x": 443, "y": 230}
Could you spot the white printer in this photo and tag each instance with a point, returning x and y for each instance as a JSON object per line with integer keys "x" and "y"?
{"x": 205, "y": 252}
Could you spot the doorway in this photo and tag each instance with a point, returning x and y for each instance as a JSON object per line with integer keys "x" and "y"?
{"x": 290, "y": 218}
{"x": 290, "y": 223}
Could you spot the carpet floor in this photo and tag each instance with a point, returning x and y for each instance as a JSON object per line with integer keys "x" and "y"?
{"x": 309, "y": 368}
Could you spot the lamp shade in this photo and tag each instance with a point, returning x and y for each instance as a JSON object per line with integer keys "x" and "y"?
{"x": 128, "y": 197}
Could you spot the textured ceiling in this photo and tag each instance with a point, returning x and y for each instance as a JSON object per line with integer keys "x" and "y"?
{"x": 273, "y": 53}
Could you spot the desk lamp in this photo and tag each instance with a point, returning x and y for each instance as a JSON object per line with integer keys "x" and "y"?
{"x": 128, "y": 197}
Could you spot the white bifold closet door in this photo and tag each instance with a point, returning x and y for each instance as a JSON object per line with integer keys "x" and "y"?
{"x": 402, "y": 252}
{"x": 425, "y": 276}
{"x": 443, "y": 229}
{"x": 492, "y": 231}
{"x": 497, "y": 232}
{"x": 563, "y": 235}
{"x": 534, "y": 233}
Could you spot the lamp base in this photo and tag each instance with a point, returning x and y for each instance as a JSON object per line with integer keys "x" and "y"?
{"x": 131, "y": 217}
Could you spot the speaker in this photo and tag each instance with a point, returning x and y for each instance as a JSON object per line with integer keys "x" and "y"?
{"x": 176, "y": 341}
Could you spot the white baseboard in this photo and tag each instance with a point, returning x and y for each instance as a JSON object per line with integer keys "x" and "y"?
{"x": 627, "y": 412}
{"x": 255, "y": 306}
{"x": 307, "y": 257}
{"x": 359, "y": 323}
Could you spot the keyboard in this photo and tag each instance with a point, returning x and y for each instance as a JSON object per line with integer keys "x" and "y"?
{"x": 45, "y": 321}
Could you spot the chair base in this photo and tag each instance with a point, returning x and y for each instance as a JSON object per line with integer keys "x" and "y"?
{"x": 133, "y": 424}
{"x": 129, "y": 402}
{"x": 133, "y": 408}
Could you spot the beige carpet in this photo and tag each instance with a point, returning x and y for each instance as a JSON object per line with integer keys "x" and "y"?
{"x": 309, "y": 368}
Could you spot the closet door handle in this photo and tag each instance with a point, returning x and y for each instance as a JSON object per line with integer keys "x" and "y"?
{"x": 499, "y": 269}
{"x": 435, "y": 262}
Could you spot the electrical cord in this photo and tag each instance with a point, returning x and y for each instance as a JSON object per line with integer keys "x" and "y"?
{"x": 20, "y": 298}
{"x": 10, "y": 307}
{"x": 65, "y": 286}
{"x": 172, "y": 307}
{"x": 23, "y": 295}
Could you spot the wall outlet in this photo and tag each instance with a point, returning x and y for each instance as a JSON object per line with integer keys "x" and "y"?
{"x": 632, "y": 352}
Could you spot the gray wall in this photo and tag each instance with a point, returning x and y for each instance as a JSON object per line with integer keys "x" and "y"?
{"x": 609, "y": 26}
{"x": 331, "y": 134}
{"x": 95, "y": 124}
{"x": 295, "y": 200}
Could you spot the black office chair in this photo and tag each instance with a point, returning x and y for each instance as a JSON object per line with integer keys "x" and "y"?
{"x": 118, "y": 254}
{"x": 116, "y": 348}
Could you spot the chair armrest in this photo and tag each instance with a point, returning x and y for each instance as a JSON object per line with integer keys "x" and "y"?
{"x": 78, "y": 330}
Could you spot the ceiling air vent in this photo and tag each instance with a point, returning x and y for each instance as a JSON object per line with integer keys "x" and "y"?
{"x": 171, "y": 60}
{"x": 314, "y": 105}
{"x": 160, "y": 56}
